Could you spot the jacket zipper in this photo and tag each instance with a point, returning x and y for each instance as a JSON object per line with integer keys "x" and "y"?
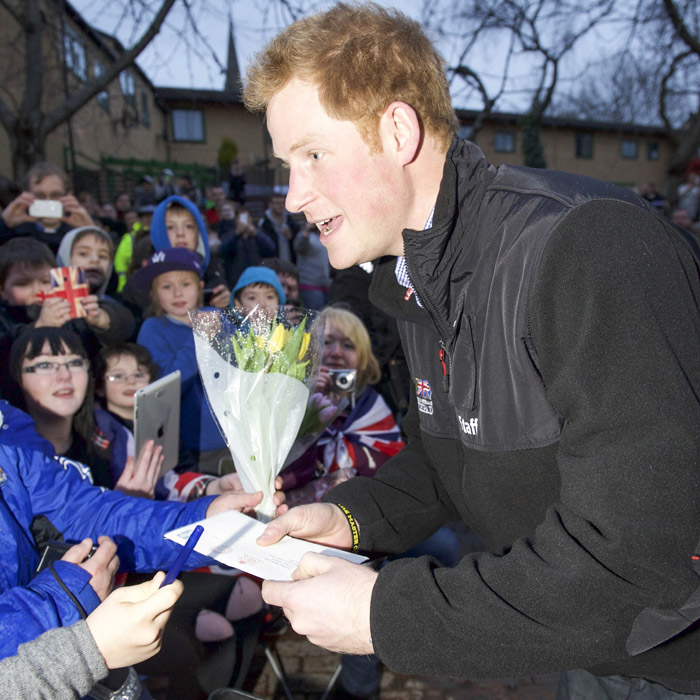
{"x": 445, "y": 362}
{"x": 444, "y": 354}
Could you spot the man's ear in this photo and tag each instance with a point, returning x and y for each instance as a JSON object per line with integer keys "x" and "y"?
{"x": 400, "y": 127}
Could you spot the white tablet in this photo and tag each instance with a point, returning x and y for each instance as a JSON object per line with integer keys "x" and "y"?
{"x": 157, "y": 417}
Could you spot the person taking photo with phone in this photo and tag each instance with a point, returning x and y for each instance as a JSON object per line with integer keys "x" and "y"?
{"x": 46, "y": 209}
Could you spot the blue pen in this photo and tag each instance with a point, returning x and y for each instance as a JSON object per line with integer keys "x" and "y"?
{"x": 176, "y": 568}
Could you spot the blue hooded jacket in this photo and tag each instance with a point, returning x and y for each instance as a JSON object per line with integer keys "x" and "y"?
{"x": 32, "y": 482}
{"x": 159, "y": 232}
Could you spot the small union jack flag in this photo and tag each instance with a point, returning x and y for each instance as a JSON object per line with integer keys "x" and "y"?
{"x": 69, "y": 283}
{"x": 423, "y": 389}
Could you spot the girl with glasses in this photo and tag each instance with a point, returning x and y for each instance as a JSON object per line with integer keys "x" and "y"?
{"x": 50, "y": 373}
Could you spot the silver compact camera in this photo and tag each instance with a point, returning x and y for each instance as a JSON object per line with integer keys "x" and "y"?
{"x": 343, "y": 380}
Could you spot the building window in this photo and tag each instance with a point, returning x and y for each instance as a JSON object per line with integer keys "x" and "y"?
{"x": 629, "y": 149}
{"x": 102, "y": 97}
{"x": 74, "y": 54}
{"x": 145, "y": 113}
{"x": 188, "y": 125}
{"x": 504, "y": 142}
{"x": 652, "y": 150}
{"x": 128, "y": 86}
{"x": 584, "y": 145}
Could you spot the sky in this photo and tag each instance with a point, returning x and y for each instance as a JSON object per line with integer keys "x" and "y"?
{"x": 197, "y": 62}
{"x": 172, "y": 61}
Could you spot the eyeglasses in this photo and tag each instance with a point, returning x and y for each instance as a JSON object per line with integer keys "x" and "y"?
{"x": 44, "y": 368}
{"x": 120, "y": 378}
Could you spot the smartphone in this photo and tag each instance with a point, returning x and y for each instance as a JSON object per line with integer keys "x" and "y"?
{"x": 244, "y": 218}
{"x": 208, "y": 293}
{"x": 46, "y": 209}
{"x": 54, "y": 551}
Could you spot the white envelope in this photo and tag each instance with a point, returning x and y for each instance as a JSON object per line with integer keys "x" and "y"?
{"x": 230, "y": 539}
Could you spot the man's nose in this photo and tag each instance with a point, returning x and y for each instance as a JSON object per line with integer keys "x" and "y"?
{"x": 299, "y": 194}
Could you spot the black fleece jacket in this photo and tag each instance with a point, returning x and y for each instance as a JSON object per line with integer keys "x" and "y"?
{"x": 586, "y": 528}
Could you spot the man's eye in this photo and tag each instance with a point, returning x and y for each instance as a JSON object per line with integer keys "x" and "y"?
{"x": 317, "y": 155}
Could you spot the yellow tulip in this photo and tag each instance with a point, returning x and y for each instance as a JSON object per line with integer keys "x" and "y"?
{"x": 277, "y": 339}
{"x": 260, "y": 342}
{"x": 305, "y": 340}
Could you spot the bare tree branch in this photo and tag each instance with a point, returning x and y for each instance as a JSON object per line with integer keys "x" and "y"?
{"x": 13, "y": 12}
{"x": 681, "y": 29}
{"x": 66, "y": 109}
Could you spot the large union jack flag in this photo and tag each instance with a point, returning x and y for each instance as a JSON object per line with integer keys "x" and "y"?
{"x": 368, "y": 433}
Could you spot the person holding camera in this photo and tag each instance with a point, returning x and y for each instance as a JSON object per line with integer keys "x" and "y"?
{"x": 364, "y": 434}
{"x": 46, "y": 210}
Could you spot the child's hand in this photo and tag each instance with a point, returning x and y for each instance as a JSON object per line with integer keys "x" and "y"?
{"x": 224, "y": 484}
{"x": 139, "y": 477}
{"x": 96, "y": 316}
{"x": 54, "y": 313}
{"x": 128, "y": 626}
{"x": 246, "y": 502}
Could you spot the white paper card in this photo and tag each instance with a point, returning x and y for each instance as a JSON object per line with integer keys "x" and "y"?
{"x": 230, "y": 539}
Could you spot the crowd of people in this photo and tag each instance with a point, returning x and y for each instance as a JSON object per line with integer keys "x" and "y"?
{"x": 94, "y": 305}
{"x": 551, "y": 326}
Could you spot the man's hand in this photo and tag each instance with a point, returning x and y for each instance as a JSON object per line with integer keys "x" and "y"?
{"x": 220, "y": 296}
{"x": 128, "y": 626}
{"x": 328, "y": 602}
{"x": 17, "y": 211}
{"x": 317, "y": 522}
{"x": 242, "y": 501}
{"x": 74, "y": 214}
{"x": 140, "y": 476}
{"x": 101, "y": 566}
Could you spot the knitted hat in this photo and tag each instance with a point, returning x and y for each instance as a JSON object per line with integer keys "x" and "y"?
{"x": 167, "y": 260}
{"x": 260, "y": 275}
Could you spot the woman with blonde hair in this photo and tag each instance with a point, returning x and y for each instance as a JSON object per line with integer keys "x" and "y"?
{"x": 364, "y": 435}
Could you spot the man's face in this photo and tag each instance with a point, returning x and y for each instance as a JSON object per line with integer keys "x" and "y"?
{"x": 357, "y": 199}
{"x": 93, "y": 254}
{"x": 130, "y": 218}
{"x": 123, "y": 202}
{"x": 219, "y": 196}
{"x": 50, "y": 187}
{"x": 182, "y": 229}
{"x": 290, "y": 285}
{"x": 681, "y": 218}
{"x": 277, "y": 206}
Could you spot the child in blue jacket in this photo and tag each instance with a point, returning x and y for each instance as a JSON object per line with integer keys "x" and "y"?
{"x": 32, "y": 482}
{"x": 173, "y": 279}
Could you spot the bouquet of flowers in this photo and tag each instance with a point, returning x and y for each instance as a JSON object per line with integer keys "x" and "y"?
{"x": 256, "y": 371}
